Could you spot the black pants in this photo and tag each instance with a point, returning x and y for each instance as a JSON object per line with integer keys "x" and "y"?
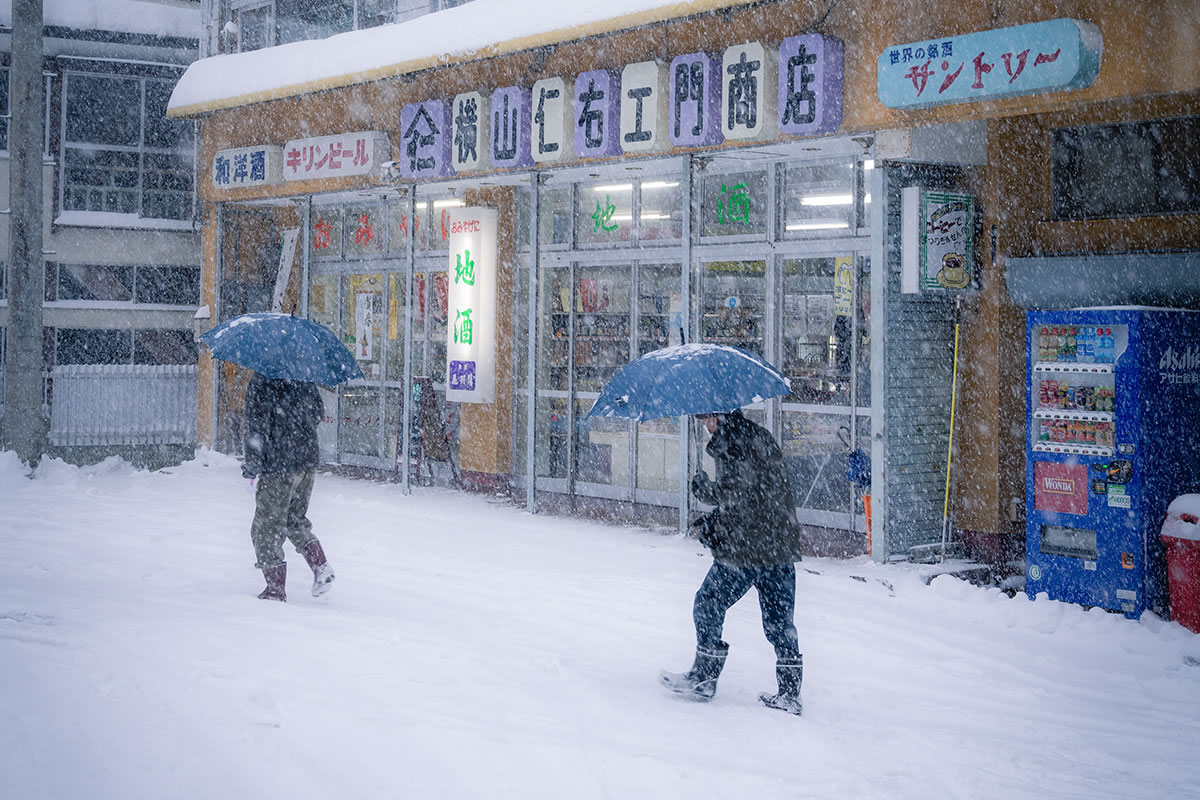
{"x": 724, "y": 585}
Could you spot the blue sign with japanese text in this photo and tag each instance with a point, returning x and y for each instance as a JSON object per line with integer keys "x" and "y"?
{"x": 1047, "y": 56}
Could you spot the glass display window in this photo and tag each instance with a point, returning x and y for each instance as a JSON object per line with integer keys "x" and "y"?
{"x": 603, "y": 213}
{"x": 437, "y": 325}
{"x": 555, "y": 300}
{"x": 660, "y": 218}
{"x": 551, "y": 447}
{"x": 432, "y": 225}
{"x": 602, "y": 323}
{"x": 362, "y": 316}
{"x": 323, "y": 294}
{"x": 818, "y": 200}
{"x": 602, "y": 447}
{"x": 325, "y": 232}
{"x": 363, "y": 231}
{"x": 817, "y": 346}
{"x": 396, "y": 289}
{"x": 660, "y": 306}
{"x": 554, "y": 217}
{"x": 658, "y": 455}
{"x": 733, "y": 304}
{"x": 398, "y": 228}
{"x": 734, "y": 204}
{"x": 359, "y": 420}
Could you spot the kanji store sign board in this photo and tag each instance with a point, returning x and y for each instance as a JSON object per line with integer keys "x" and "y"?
{"x": 426, "y": 139}
{"x": 336, "y": 156}
{"x": 246, "y": 166}
{"x": 1047, "y": 56}
{"x": 811, "y": 71}
{"x": 471, "y": 307}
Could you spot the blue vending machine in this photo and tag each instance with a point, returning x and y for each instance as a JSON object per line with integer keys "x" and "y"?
{"x": 1113, "y": 425}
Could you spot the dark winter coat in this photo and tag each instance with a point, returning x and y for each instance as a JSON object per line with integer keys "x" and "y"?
{"x": 754, "y": 523}
{"x": 281, "y": 426}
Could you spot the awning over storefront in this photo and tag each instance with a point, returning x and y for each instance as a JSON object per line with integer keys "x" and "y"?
{"x": 482, "y": 29}
{"x": 1148, "y": 279}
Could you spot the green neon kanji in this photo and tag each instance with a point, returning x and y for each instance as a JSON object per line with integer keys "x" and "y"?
{"x": 465, "y": 272}
{"x": 463, "y": 329}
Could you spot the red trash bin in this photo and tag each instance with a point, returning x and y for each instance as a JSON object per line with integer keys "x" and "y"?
{"x": 1181, "y": 539}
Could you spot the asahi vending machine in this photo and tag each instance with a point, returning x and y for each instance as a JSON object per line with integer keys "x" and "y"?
{"x": 1113, "y": 425}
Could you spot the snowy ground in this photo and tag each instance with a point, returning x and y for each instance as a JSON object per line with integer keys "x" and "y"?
{"x": 470, "y": 650}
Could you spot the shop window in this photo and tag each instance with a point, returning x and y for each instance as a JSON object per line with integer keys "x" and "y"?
{"x": 432, "y": 225}
{"x": 734, "y": 204}
{"x": 603, "y": 213}
{"x": 398, "y": 224}
{"x": 1133, "y": 169}
{"x": 121, "y": 155}
{"x": 362, "y": 313}
{"x": 554, "y": 216}
{"x": 817, "y": 330}
{"x": 734, "y": 304}
{"x": 819, "y": 200}
{"x": 394, "y": 369}
{"x": 325, "y": 232}
{"x": 323, "y": 300}
{"x": 661, "y": 214}
{"x": 363, "y": 231}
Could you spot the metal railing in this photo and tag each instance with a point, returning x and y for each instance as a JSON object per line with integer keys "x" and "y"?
{"x": 122, "y": 404}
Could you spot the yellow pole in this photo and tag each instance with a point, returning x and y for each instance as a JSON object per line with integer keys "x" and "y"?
{"x": 950, "y": 446}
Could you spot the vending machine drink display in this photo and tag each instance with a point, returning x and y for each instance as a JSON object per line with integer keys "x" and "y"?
{"x": 1113, "y": 425}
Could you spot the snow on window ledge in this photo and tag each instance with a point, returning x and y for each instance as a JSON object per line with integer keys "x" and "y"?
{"x": 108, "y": 219}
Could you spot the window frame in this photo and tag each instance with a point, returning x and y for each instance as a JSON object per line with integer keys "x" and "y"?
{"x": 142, "y": 73}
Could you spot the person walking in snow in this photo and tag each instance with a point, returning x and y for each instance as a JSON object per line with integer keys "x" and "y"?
{"x": 281, "y": 456}
{"x": 755, "y": 541}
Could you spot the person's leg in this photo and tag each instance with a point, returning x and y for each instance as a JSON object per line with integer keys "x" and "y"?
{"x": 299, "y": 531}
{"x": 299, "y": 528}
{"x": 777, "y": 599}
{"x": 722, "y": 587}
{"x": 268, "y": 530}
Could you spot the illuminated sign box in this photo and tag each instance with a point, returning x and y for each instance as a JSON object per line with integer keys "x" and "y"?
{"x": 471, "y": 308}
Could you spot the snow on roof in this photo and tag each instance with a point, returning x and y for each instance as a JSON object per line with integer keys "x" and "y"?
{"x": 125, "y": 16}
{"x": 479, "y": 29}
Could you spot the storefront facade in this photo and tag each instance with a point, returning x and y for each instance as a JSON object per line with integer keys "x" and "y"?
{"x": 762, "y": 210}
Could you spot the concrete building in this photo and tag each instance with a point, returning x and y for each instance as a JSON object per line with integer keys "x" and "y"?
{"x": 745, "y": 172}
{"x": 121, "y": 236}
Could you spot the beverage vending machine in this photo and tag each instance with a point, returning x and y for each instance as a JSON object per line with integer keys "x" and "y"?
{"x": 1113, "y": 426}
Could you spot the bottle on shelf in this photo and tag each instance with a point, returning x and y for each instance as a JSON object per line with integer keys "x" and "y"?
{"x": 1087, "y": 345}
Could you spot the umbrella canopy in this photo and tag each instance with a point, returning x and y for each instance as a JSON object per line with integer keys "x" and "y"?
{"x": 283, "y": 346}
{"x": 689, "y": 379}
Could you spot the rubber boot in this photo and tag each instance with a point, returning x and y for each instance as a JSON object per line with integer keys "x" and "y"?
{"x": 322, "y": 573}
{"x": 700, "y": 682}
{"x": 276, "y": 583}
{"x": 789, "y": 673}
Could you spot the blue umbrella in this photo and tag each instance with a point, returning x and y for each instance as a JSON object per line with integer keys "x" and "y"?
{"x": 283, "y": 346}
{"x": 689, "y": 379}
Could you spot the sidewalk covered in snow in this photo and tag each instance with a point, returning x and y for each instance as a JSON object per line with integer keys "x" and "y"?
{"x": 471, "y": 650}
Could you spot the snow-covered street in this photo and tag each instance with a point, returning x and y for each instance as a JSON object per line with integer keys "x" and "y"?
{"x": 471, "y": 650}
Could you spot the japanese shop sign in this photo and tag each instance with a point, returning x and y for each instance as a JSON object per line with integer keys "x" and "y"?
{"x": 1047, "y": 56}
{"x": 335, "y": 156}
{"x": 510, "y": 127}
{"x": 695, "y": 104}
{"x": 643, "y": 107}
{"x": 937, "y": 240}
{"x": 1060, "y": 487}
{"x": 810, "y": 85}
{"x": 550, "y": 138}
{"x": 747, "y": 103}
{"x": 470, "y": 119}
{"x": 597, "y": 108}
{"x": 471, "y": 321}
{"x": 246, "y": 166}
{"x": 425, "y": 139}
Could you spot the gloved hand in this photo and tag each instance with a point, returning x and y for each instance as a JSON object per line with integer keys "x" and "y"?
{"x": 247, "y": 474}
{"x": 700, "y": 482}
